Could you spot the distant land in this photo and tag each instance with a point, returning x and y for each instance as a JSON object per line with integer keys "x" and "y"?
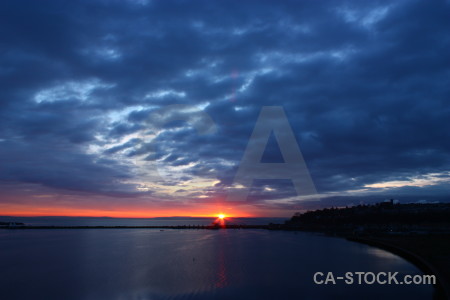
{"x": 419, "y": 232}
{"x": 388, "y": 217}
{"x": 109, "y": 221}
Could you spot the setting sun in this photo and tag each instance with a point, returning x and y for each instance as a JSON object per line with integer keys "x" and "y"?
{"x": 221, "y": 216}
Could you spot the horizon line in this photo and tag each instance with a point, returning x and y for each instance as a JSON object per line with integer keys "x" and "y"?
{"x": 166, "y": 217}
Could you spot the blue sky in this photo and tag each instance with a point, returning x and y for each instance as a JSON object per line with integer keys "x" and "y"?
{"x": 87, "y": 87}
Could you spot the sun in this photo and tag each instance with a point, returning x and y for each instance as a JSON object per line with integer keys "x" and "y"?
{"x": 221, "y": 216}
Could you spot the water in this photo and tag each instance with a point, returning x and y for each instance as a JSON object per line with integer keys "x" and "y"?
{"x": 104, "y": 221}
{"x": 189, "y": 264}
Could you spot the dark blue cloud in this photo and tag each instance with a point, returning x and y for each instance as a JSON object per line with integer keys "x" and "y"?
{"x": 365, "y": 87}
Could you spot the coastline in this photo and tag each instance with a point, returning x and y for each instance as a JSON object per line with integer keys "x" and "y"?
{"x": 425, "y": 264}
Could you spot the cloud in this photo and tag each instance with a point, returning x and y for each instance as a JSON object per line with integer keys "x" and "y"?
{"x": 364, "y": 85}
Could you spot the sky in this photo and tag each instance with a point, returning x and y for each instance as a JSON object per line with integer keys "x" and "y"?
{"x": 145, "y": 108}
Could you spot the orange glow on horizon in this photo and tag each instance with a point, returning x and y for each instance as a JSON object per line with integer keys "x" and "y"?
{"x": 135, "y": 208}
{"x": 132, "y": 211}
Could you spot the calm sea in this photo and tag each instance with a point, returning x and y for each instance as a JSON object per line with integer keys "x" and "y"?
{"x": 190, "y": 264}
{"x": 104, "y": 221}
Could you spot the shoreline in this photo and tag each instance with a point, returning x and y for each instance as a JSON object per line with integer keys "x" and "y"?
{"x": 442, "y": 282}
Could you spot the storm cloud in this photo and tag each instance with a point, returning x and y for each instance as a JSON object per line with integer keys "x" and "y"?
{"x": 365, "y": 87}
